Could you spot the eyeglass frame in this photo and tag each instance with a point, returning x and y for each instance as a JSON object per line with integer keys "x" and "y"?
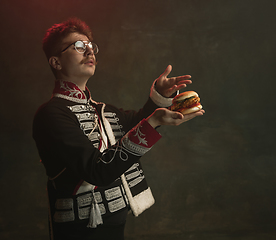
{"x": 86, "y": 43}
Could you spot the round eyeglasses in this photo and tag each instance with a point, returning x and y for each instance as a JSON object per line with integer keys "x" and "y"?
{"x": 80, "y": 46}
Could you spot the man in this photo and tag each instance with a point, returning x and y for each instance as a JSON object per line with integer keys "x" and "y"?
{"x": 91, "y": 151}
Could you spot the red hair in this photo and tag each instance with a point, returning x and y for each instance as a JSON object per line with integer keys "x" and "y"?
{"x": 54, "y": 35}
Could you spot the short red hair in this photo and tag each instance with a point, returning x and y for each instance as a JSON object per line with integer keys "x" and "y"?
{"x": 54, "y": 35}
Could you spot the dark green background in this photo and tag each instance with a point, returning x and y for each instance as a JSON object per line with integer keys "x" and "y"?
{"x": 213, "y": 177}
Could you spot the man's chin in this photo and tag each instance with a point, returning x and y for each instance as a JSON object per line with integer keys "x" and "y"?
{"x": 91, "y": 72}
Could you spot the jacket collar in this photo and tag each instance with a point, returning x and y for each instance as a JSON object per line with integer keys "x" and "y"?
{"x": 70, "y": 91}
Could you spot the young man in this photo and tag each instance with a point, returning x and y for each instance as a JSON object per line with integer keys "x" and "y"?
{"x": 91, "y": 150}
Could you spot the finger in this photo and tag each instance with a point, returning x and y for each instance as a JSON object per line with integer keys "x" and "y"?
{"x": 184, "y": 77}
{"x": 175, "y": 88}
{"x": 167, "y": 71}
{"x": 183, "y": 83}
{"x": 180, "y": 81}
{"x": 177, "y": 115}
{"x": 178, "y": 87}
{"x": 195, "y": 114}
{"x": 174, "y": 114}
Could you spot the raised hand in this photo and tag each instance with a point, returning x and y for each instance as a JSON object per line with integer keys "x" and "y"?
{"x": 168, "y": 86}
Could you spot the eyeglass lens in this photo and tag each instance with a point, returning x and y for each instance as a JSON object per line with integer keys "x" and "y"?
{"x": 80, "y": 46}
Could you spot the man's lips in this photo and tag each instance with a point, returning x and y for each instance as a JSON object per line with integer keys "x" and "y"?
{"x": 88, "y": 62}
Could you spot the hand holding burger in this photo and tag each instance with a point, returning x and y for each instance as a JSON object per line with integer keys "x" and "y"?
{"x": 186, "y": 103}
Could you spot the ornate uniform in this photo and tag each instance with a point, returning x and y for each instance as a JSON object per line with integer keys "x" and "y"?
{"x": 91, "y": 152}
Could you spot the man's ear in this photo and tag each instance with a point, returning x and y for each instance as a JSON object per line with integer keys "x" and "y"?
{"x": 55, "y": 63}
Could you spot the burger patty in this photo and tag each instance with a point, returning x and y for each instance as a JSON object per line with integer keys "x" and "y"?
{"x": 186, "y": 103}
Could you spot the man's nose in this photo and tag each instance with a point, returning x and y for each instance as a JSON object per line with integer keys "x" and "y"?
{"x": 89, "y": 50}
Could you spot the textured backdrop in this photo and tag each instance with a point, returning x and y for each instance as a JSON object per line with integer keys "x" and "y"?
{"x": 213, "y": 175}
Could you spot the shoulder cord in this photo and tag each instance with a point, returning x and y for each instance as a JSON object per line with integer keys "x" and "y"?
{"x": 96, "y": 124}
{"x": 53, "y": 178}
{"x": 100, "y": 131}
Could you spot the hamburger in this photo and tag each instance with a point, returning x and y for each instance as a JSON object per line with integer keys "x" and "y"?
{"x": 186, "y": 102}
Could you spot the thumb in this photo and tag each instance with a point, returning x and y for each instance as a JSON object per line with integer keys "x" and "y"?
{"x": 177, "y": 115}
{"x": 167, "y": 71}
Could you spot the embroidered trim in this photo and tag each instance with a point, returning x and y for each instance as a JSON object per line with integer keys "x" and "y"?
{"x": 115, "y": 198}
{"x": 143, "y": 134}
{"x": 116, "y": 205}
{"x": 118, "y": 134}
{"x": 72, "y": 91}
{"x": 133, "y": 167}
{"x": 93, "y": 136}
{"x": 84, "y": 200}
{"x": 81, "y": 108}
{"x": 113, "y": 193}
{"x": 64, "y": 216}
{"x": 102, "y": 208}
{"x": 84, "y": 213}
{"x": 109, "y": 114}
{"x": 65, "y": 211}
{"x": 64, "y": 203}
{"x": 87, "y": 125}
{"x": 86, "y": 116}
{"x": 69, "y": 91}
{"x": 116, "y": 127}
{"x": 140, "y": 136}
{"x": 136, "y": 181}
{"x": 113, "y": 120}
{"x": 134, "y": 148}
{"x": 70, "y": 98}
{"x": 134, "y": 174}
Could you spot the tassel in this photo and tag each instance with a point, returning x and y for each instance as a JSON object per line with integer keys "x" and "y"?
{"x": 95, "y": 218}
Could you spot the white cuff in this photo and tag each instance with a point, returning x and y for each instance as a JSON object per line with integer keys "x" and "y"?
{"x": 158, "y": 99}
